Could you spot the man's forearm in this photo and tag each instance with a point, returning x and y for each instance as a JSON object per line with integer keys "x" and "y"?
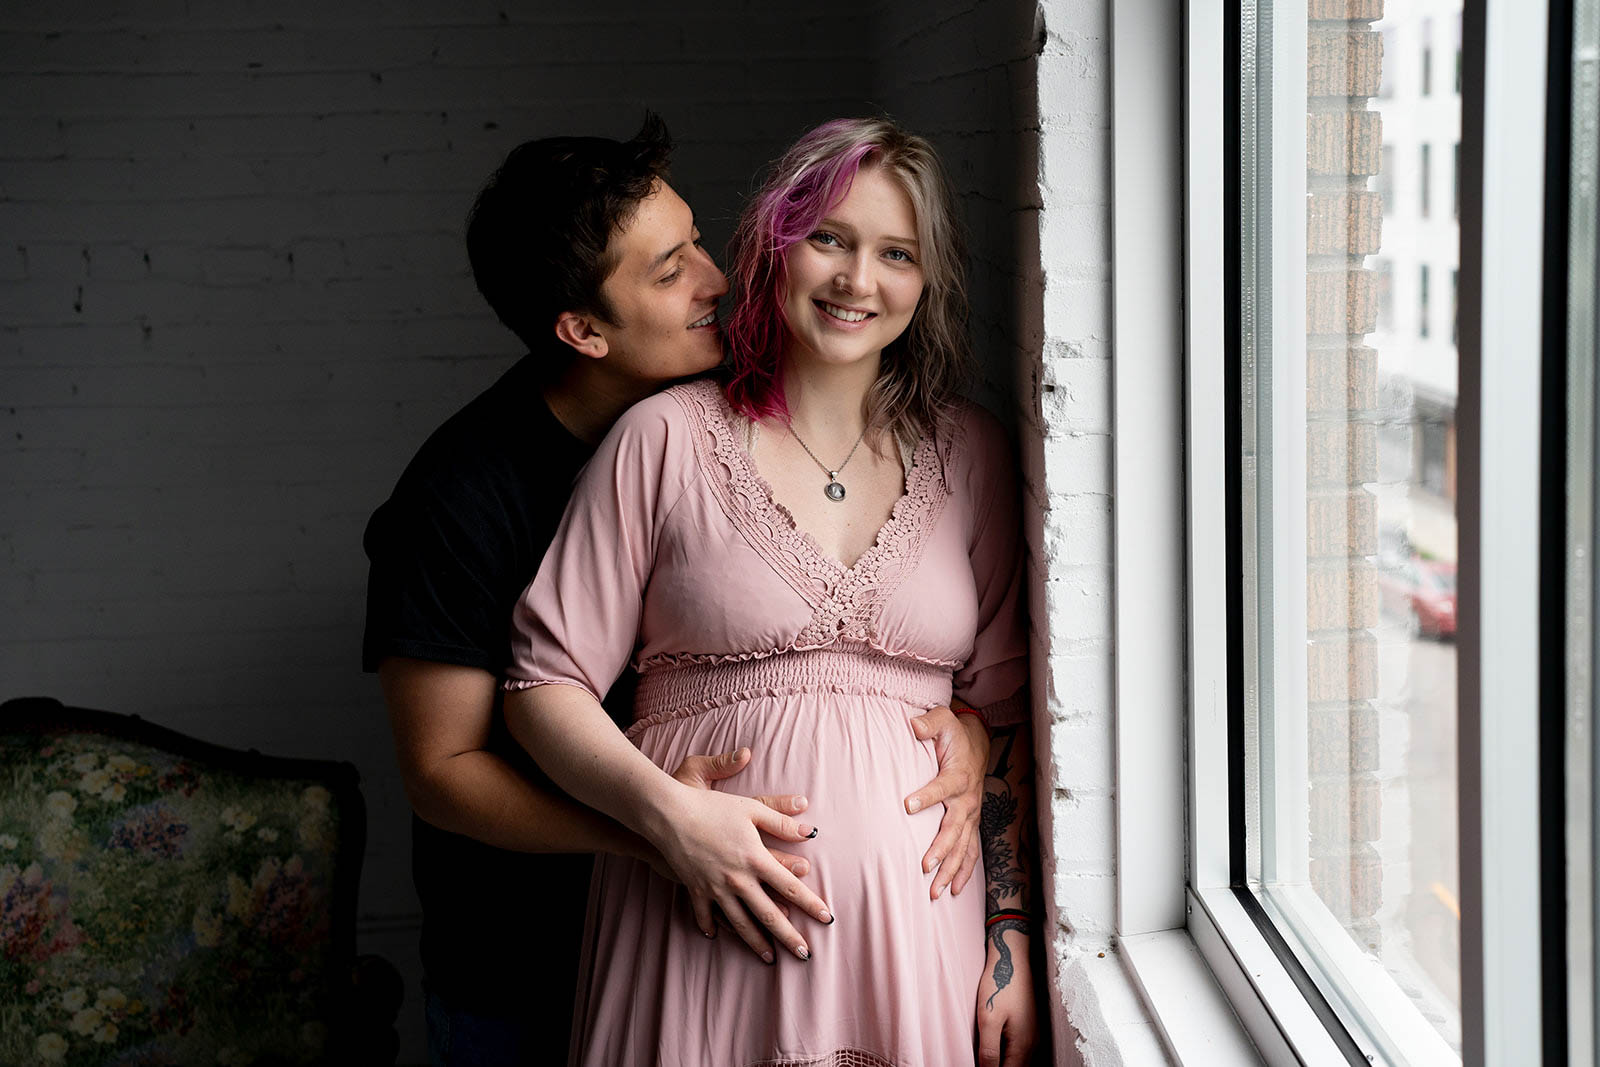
{"x": 442, "y": 716}
{"x": 1008, "y": 847}
{"x": 481, "y": 796}
{"x": 577, "y": 744}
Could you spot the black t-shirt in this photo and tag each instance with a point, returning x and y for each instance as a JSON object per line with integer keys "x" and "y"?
{"x": 451, "y": 551}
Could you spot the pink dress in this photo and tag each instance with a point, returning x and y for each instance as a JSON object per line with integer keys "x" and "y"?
{"x": 673, "y": 552}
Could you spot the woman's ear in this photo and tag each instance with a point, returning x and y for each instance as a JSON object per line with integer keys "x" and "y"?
{"x": 581, "y": 333}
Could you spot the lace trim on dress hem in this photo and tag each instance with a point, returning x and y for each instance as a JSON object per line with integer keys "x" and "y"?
{"x": 840, "y": 1057}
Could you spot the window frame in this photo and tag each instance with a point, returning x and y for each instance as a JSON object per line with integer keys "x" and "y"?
{"x": 1582, "y": 651}
{"x": 1215, "y": 980}
{"x": 1277, "y": 1013}
{"x": 1499, "y": 753}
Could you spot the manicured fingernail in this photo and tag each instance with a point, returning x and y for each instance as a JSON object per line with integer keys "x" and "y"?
{"x": 803, "y": 952}
{"x": 913, "y": 806}
{"x": 768, "y": 957}
{"x": 801, "y": 867}
{"x": 800, "y": 803}
{"x": 827, "y": 917}
{"x": 808, "y": 831}
{"x": 709, "y": 933}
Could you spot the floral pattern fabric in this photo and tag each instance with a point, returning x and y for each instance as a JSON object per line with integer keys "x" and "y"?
{"x": 158, "y": 910}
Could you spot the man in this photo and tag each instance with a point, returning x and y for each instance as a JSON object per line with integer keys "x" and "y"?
{"x": 585, "y": 253}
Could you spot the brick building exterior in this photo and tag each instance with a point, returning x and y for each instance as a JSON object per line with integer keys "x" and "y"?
{"x": 1344, "y": 219}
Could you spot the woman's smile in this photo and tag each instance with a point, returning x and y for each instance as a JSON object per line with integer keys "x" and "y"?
{"x": 854, "y": 283}
{"x": 844, "y": 317}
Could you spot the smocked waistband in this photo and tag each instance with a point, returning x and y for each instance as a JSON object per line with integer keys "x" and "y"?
{"x": 668, "y": 692}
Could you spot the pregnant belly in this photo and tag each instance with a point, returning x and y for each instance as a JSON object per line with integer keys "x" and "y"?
{"x": 855, "y": 760}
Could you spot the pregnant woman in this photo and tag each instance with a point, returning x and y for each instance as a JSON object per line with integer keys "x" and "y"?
{"x": 798, "y": 559}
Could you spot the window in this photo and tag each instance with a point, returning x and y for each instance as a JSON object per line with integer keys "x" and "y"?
{"x": 1347, "y": 604}
{"x": 1386, "y": 75}
{"x": 1422, "y": 301}
{"x": 1312, "y": 532}
{"x": 1426, "y": 179}
{"x": 1455, "y": 180}
{"x": 1386, "y": 179}
{"x": 1455, "y": 306}
{"x": 1370, "y": 888}
{"x": 1427, "y": 57}
{"x": 1384, "y": 269}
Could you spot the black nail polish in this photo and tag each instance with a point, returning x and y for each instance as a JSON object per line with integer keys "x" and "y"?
{"x": 812, "y": 834}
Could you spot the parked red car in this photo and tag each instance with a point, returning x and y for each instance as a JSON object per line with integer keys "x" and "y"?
{"x": 1422, "y": 592}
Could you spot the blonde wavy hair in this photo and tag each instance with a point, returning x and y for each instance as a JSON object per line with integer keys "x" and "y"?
{"x": 923, "y": 369}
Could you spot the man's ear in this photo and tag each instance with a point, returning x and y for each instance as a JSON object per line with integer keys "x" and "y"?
{"x": 580, "y": 332}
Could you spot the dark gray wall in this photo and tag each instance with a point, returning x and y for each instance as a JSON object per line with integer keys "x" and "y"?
{"x": 234, "y": 299}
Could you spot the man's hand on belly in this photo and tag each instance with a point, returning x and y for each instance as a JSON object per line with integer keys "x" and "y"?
{"x": 961, "y": 743}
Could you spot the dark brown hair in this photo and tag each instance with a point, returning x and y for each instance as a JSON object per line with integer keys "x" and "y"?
{"x": 539, "y": 236}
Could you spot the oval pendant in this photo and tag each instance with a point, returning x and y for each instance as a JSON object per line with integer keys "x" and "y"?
{"x": 834, "y": 490}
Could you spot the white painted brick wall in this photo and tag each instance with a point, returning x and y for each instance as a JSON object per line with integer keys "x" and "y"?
{"x": 1071, "y": 536}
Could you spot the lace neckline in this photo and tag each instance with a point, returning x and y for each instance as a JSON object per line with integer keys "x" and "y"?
{"x": 844, "y": 598}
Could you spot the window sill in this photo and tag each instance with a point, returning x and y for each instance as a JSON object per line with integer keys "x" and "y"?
{"x": 1270, "y": 1006}
{"x": 1196, "y": 1024}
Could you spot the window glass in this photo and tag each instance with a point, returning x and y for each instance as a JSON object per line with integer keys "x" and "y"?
{"x": 1427, "y": 57}
{"x": 1348, "y": 514}
{"x": 1422, "y": 302}
{"x": 1385, "y": 185}
{"x": 1424, "y": 200}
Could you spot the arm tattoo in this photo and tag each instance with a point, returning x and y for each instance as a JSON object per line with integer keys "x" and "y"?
{"x": 1004, "y": 866}
{"x": 1003, "y": 967}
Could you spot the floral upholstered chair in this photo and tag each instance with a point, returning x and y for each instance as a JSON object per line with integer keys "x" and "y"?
{"x": 167, "y": 901}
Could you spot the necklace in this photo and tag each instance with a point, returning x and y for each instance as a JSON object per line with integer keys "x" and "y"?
{"x": 833, "y": 490}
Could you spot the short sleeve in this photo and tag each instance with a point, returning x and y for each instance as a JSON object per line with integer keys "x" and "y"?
{"x": 577, "y": 622}
{"x": 437, "y": 584}
{"x": 994, "y": 679}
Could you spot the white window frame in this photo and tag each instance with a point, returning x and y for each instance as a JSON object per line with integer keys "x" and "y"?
{"x": 1583, "y": 636}
{"x": 1280, "y": 1021}
{"x": 1190, "y": 1010}
{"x": 1501, "y": 932}
{"x": 1172, "y": 699}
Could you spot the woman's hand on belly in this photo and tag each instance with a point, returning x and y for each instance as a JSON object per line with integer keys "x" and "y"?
{"x": 712, "y": 842}
{"x": 698, "y": 772}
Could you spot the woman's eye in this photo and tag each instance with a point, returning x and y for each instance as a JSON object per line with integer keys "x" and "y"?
{"x": 899, "y": 255}
{"x": 823, "y": 237}
{"x": 669, "y": 279}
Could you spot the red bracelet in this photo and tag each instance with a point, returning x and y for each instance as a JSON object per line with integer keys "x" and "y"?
{"x": 963, "y": 709}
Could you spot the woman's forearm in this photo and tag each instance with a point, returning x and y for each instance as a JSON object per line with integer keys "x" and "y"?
{"x": 578, "y": 745}
{"x": 711, "y": 840}
{"x": 1006, "y": 827}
